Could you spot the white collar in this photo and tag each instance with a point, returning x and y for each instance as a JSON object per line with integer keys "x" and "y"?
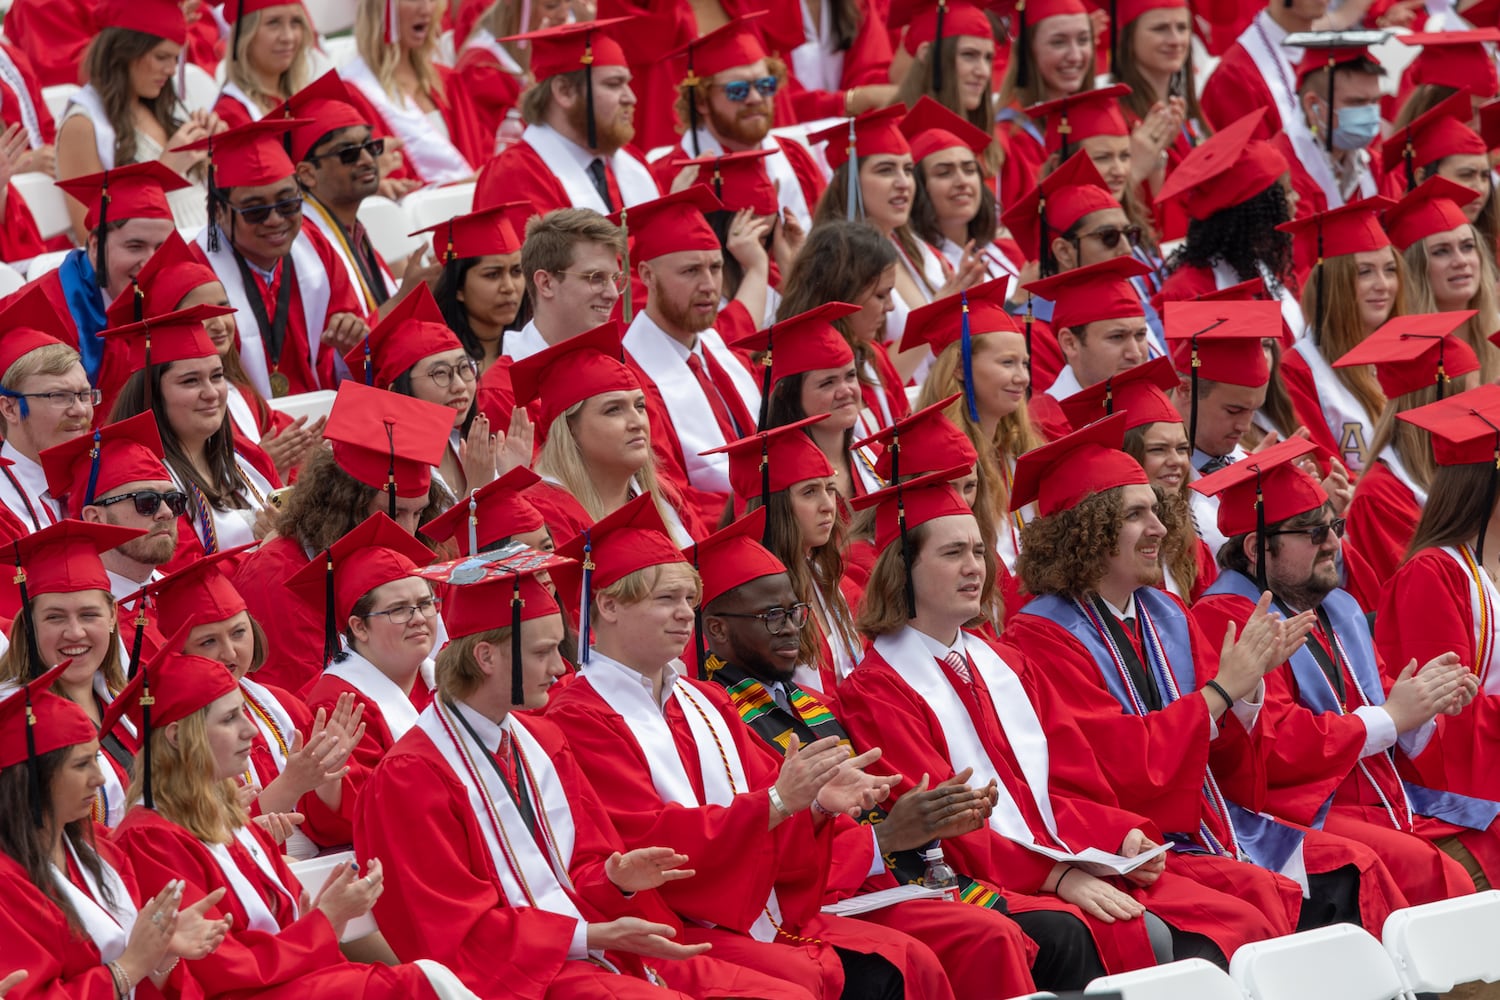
{"x": 489, "y": 732}
{"x": 581, "y": 155}
{"x": 121, "y": 587}
{"x": 669, "y": 675}
{"x": 940, "y": 650}
{"x": 1128, "y": 611}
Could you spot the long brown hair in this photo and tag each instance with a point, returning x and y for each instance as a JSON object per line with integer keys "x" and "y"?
{"x": 1476, "y": 330}
{"x": 1455, "y": 509}
{"x": 1343, "y": 329}
{"x": 820, "y": 570}
{"x": 1141, "y": 99}
{"x": 107, "y": 65}
{"x": 1412, "y": 444}
{"x": 184, "y": 788}
{"x": 918, "y": 84}
{"x": 831, "y": 208}
{"x": 839, "y": 262}
{"x": 1179, "y": 554}
{"x": 883, "y": 608}
{"x": 237, "y": 69}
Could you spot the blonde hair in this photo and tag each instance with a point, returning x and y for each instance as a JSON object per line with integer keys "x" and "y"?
{"x": 14, "y": 661}
{"x": 458, "y": 675}
{"x": 635, "y": 587}
{"x": 369, "y": 39}
{"x": 562, "y": 459}
{"x": 1476, "y": 331}
{"x": 1412, "y": 444}
{"x": 237, "y": 67}
{"x": 183, "y": 787}
{"x": 1343, "y": 329}
{"x": 52, "y": 359}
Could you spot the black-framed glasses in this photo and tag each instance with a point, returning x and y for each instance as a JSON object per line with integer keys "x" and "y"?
{"x": 775, "y": 619}
{"x": 738, "y": 91}
{"x": 148, "y": 502}
{"x": 1110, "y": 235}
{"x": 1318, "y": 533}
{"x": 349, "y": 155}
{"x": 62, "y": 399}
{"x": 404, "y": 614}
{"x": 598, "y": 279}
{"x": 260, "y": 214}
{"x": 442, "y": 376}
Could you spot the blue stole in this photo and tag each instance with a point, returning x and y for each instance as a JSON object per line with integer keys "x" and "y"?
{"x": 1024, "y": 121}
{"x": 1267, "y": 842}
{"x": 1352, "y": 636}
{"x": 86, "y": 305}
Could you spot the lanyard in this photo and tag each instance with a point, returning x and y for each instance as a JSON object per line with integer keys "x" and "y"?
{"x": 274, "y": 331}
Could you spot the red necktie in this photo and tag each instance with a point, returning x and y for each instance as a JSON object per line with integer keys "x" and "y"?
{"x": 506, "y": 758}
{"x": 743, "y": 418}
{"x": 959, "y": 664}
{"x": 715, "y": 401}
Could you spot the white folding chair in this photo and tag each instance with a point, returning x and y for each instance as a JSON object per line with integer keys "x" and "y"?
{"x": 1438, "y": 945}
{"x": 48, "y": 204}
{"x": 10, "y": 279}
{"x": 200, "y": 90}
{"x": 429, "y": 206}
{"x": 1395, "y": 57}
{"x": 1342, "y": 962}
{"x": 56, "y": 98}
{"x": 313, "y": 872}
{"x": 1043, "y": 995}
{"x": 1190, "y": 979}
{"x": 388, "y": 225}
{"x": 312, "y": 405}
{"x": 44, "y": 262}
{"x": 329, "y": 17}
{"x": 340, "y": 51}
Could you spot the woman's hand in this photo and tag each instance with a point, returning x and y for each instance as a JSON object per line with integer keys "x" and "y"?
{"x": 280, "y": 826}
{"x": 150, "y": 940}
{"x": 292, "y": 443}
{"x": 747, "y": 241}
{"x": 196, "y": 934}
{"x": 786, "y": 240}
{"x": 641, "y": 937}
{"x": 970, "y": 272}
{"x": 686, "y": 178}
{"x": 1096, "y": 897}
{"x": 477, "y": 453}
{"x": 11, "y": 981}
{"x": 517, "y": 444}
{"x": 189, "y": 131}
{"x": 345, "y": 895}
{"x": 646, "y": 868}
{"x": 13, "y": 149}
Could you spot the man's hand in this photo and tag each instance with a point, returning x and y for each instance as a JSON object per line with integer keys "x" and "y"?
{"x": 851, "y": 790}
{"x": 344, "y": 331}
{"x": 641, "y": 937}
{"x": 1136, "y": 842}
{"x": 646, "y": 868}
{"x": 948, "y": 809}
{"x": 806, "y": 769}
{"x": 1097, "y": 897}
{"x": 1418, "y": 696}
{"x": 1245, "y": 659}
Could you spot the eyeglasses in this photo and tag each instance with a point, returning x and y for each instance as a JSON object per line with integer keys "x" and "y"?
{"x": 349, "y": 155}
{"x": 1318, "y": 533}
{"x": 775, "y": 619}
{"x": 259, "y": 214}
{"x": 598, "y": 279}
{"x": 738, "y": 91}
{"x": 148, "y": 502}
{"x": 1110, "y": 235}
{"x": 404, "y": 614}
{"x": 61, "y": 400}
{"x": 442, "y": 375}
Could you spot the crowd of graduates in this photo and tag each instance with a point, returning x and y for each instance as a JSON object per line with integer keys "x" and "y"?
{"x": 1030, "y": 516}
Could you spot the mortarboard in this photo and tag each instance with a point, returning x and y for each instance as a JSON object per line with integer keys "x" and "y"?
{"x": 1415, "y": 351}
{"x": 386, "y": 440}
{"x": 572, "y": 371}
{"x": 494, "y": 512}
{"x": 1263, "y": 488}
{"x": 161, "y": 284}
{"x": 729, "y": 558}
{"x": 252, "y": 155}
{"x": 1033, "y": 12}
{"x": 1434, "y": 206}
{"x": 738, "y": 180}
{"x": 323, "y": 106}
{"x": 1061, "y": 474}
{"x": 1441, "y": 131}
{"x": 958, "y": 319}
{"x": 568, "y": 48}
{"x": 1070, "y": 120}
{"x": 903, "y": 506}
{"x": 1220, "y": 342}
{"x": 670, "y": 224}
{"x": 412, "y": 330}
{"x": 929, "y": 127}
{"x": 1227, "y": 169}
{"x": 772, "y": 460}
{"x": 134, "y": 191}
{"x": 728, "y": 46}
{"x": 157, "y": 18}
{"x": 128, "y": 451}
{"x": 27, "y": 322}
{"x": 1140, "y": 393}
{"x": 478, "y": 234}
{"x": 1090, "y": 294}
{"x": 200, "y": 592}
{"x": 1349, "y": 229}
{"x": 1328, "y": 50}
{"x": 805, "y": 342}
{"x": 1457, "y": 59}
{"x": 928, "y": 22}
{"x": 473, "y": 608}
{"x": 1059, "y": 200}
{"x": 33, "y": 722}
{"x": 873, "y": 133}
{"x": 921, "y": 442}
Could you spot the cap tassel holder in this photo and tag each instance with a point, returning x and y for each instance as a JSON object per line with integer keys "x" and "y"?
{"x": 909, "y": 588}
{"x": 1328, "y": 139}
{"x": 854, "y": 208}
{"x": 473, "y": 524}
{"x": 33, "y": 765}
{"x": 628, "y": 309}
{"x": 1193, "y": 367}
{"x": 765, "y": 382}
{"x": 91, "y": 489}
{"x": 966, "y": 350}
{"x": 765, "y": 486}
{"x": 936, "y": 52}
{"x": 390, "y": 472}
{"x": 1022, "y": 47}
{"x": 1442, "y": 372}
{"x": 592, "y": 133}
{"x": 330, "y": 627}
{"x": 517, "y": 688}
{"x": 147, "y": 701}
{"x": 1489, "y": 489}
{"x": 34, "y": 667}
{"x": 101, "y": 235}
{"x": 585, "y": 596}
{"x": 1260, "y": 532}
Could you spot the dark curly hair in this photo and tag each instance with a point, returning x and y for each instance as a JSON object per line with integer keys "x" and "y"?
{"x": 328, "y": 503}
{"x": 1068, "y": 553}
{"x": 1240, "y": 235}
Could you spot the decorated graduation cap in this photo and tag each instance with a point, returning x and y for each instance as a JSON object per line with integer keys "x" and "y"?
{"x": 921, "y": 442}
{"x": 1263, "y": 488}
{"x": 386, "y": 440}
{"x": 1220, "y": 342}
{"x": 902, "y": 506}
{"x": 873, "y": 133}
{"x": 474, "y": 608}
{"x": 376, "y": 552}
{"x": 632, "y": 538}
{"x": 1072, "y": 191}
{"x": 169, "y": 688}
{"x": 574, "y": 370}
{"x": 496, "y": 511}
{"x": 928, "y": 22}
{"x": 1227, "y": 169}
{"x": 134, "y": 191}
{"x": 1092, "y": 294}
{"x": 157, "y": 18}
{"x": 252, "y": 155}
{"x": 129, "y": 451}
{"x": 1061, "y": 474}
{"x": 1140, "y": 393}
{"x": 412, "y": 330}
{"x": 200, "y": 592}
{"x": 33, "y": 722}
{"x": 1071, "y": 119}
{"x": 568, "y": 48}
{"x": 161, "y": 284}
{"x": 930, "y": 128}
{"x": 805, "y": 342}
{"x": 1031, "y": 13}
{"x": 772, "y": 460}
{"x": 1457, "y": 59}
{"x": 1434, "y": 206}
{"x": 958, "y": 319}
{"x": 27, "y": 322}
{"x": 1328, "y": 50}
{"x": 478, "y": 234}
{"x": 1349, "y": 229}
{"x": 323, "y": 106}
{"x": 1416, "y": 351}
{"x": 1441, "y": 131}
{"x": 734, "y": 44}
{"x": 738, "y": 180}
{"x": 670, "y": 224}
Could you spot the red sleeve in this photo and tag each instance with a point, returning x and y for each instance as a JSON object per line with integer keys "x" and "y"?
{"x": 294, "y": 659}
{"x": 231, "y": 112}
{"x": 1022, "y": 167}
{"x": 53, "y": 34}
{"x": 59, "y": 964}
{"x": 1424, "y": 612}
{"x": 1208, "y": 570}
{"x": 519, "y": 174}
{"x": 1382, "y": 517}
{"x": 20, "y": 239}
{"x": 10, "y": 108}
{"x": 809, "y": 175}
{"x": 1235, "y": 89}
{"x": 563, "y": 513}
{"x": 456, "y": 103}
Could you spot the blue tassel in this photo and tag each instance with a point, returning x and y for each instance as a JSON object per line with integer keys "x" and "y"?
{"x": 369, "y": 365}
{"x": 88, "y": 494}
{"x": 966, "y": 345}
{"x": 585, "y": 598}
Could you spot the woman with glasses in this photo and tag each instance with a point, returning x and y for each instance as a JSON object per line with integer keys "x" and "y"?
{"x": 493, "y": 73}
{"x": 268, "y": 59}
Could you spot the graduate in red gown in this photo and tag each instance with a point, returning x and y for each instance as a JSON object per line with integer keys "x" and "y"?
{"x": 187, "y": 826}
{"x": 86, "y": 930}
{"x": 1257, "y": 71}
{"x": 514, "y": 876}
{"x": 53, "y": 35}
{"x": 1330, "y": 763}
{"x": 673, "y": 764}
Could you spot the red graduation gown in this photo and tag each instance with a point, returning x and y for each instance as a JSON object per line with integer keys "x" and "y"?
{"x": 457, "y": 112}
{"x": 1235, "y": 89}
{"x": 294, "y": 659}
{"x": 492, "y": 91}
{"x": 867, "y": 61}
{"x": 53, "y": 34}
{"x": 301, "y": 959}
{"x": 1307, "y": 404}
{"x": 10, "y": 106}
{"x": 324, "y": 826}
{"x": 378, "y": 739}
{"x": 520, "y": 174}
{"x": 1024, "y": 157}
{"x": 1381, "y": 519}
{"x": 737, "y": 860}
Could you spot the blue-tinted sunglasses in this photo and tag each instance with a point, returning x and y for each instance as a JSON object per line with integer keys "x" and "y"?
{"x": 738, "y": 91}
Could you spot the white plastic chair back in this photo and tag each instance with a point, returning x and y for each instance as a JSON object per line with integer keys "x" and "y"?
{"x": 312, "y": 405}
{"x": 1395, "y": 57}
{"x": 1342, "y": 962}
{"x": 1439, "y": 945}
{"x": 44, "y": 262}
{"x": 340, "y": 51}
{"x": 200, "y": 89}
{"x": 48, "y": 204}
{"x": 329, "y": 17}
{"x": 388, "y": 224}
{"x": 56, "y": 98}
{"x": 10, "y": 279}
{"x": 429, "y": 206}
{"x": 1190, "y": 979}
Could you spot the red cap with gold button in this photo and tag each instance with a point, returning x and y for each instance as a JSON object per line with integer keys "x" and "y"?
{"x": 494, "y": 512}
{"x": 1089, "y": 460}
{"x": 1093, "y": 293}
{"x": 574, "y": 370}
{"x": 1140, "y": 393}
{"x": 1263, "y": 488}
{"x": 1414, "y": 352}
{"x": 1437, "y": 133}
{"x": 386, "y": 440}
{"x": 1076, "y": 117}
{"x": 412, "y": 330}
{"x": 1434, "y": 206}
{"x": 921, "y": 442}
{"x": 672, "y": 223}
{"x": 1050, "y": 209}
{"x": 478, "y": 234}
{"x": 1458, "y": 59}
{"x": 89, "y": 466}
{"x": 773, "y": 460}
{"x": 930, "y": 128}
{"x": 1227, "y": 169}
{"x": 874, "y": 133}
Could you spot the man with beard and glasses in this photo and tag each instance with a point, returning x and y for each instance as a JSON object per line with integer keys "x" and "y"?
{"x": 699, "y": 395}
{"x": 726, "y": 103}
{"x": 119, "y": 477}
{"x": 579, "y": 120}
{"x": 1333, "y": 764}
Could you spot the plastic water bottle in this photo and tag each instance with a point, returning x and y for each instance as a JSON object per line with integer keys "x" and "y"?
{"x": 510, "y": 131}
{"x": 939, "y": 875}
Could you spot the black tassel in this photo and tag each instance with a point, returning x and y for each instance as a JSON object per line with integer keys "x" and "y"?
{"x": 1442, "y": 372}
{"x": 1489, "y": 491}
{"x": 390, "y": 475}
{"x": 101, "y": 235}
{"x": 700, "y": 648}
{"x": 1408, "y": 161}
{"x": 33, "y": 766}
{"x": 936, "y": 52}
{"x": 585, "y": 598}
{"x": 1260, "y": 533}
{"x": 517, "y": 689}
{"x": 34, "y": 667}
{"x": 765, "y": 488}
{"x": 1023, "y": 47}
{"x": 1328, "y": 140}
{"x": 330, "y": 626}
{"x": 137, "y": 301}
{"x": 588, "y": 93}
{"x": 909, "y": 588}
{"x": 213, "y": 202}
{"x": 140, "y": 633}
{"x": 147, "y": 700}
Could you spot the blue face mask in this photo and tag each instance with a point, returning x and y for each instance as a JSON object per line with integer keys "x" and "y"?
{"x": 1357, "y": 126}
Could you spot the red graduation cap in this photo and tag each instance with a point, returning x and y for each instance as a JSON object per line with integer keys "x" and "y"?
{"x": 1222, "y": 340}
{"x": 1352, "y": 228}
{"x": 770, "y": 461}
{"x": 874, "y": 133}
{"x": 251, "y": 155}
{"x": 323, "y": 106}
{"x": 411, "y": 331}
{"x": 238, "y": 9}
{"x": 34, "y": 721}
{"x": 387, "y": 440}
{"x": 1482, "y": 13}
{"x": 738, "y": 180}
{"x": 1060, "y": 199}
{"x": 903, "y": 506}
{"x": 1227, "y": 169}
{"x": 1245, "y": 291}
{"x": 1457, "y": 59}
{"x": 1080, "y": 116}
{"x": 28, "y": 322}
{"x": 921, "y": 442}
{"x": 570, "y": 372}
{"x": 802, "y": 343}
{"x": 1414, "y": 352}
{"x": 1140, "y": 393}
{"x": 1489, "y": 124}
{"x": 1463, "y": 427}
{"x": 928, "y": 21}
{"x": 1434, "y": 206}
{"x": 1126, "y": 11}
{"x": 671, "y": 224}
{"x": 161, "y": 284}
{"x": 1316, "y": 58}
{"x": 733, "y": 556}
{"x": 570, "y": 47}
{"x": 199, "y": 593}
{"x": 129, "y": 451}
{"x": 1061, "y": 474}
{"x": 929, "y": 127}
{"x": 62, "y": 558}
{"x": 472, "y": 608}
{"x": 731, "y": 45}
{"x": 498, "y": 510}
{"x": 1439, "y": 132}
{"x": 478, "y": 234}
{"x": 157, "y": 18}
{"x": 939, "y": 323}
{"x": 134, "y": 191}
{"x": 175, "y": 336}
{"x": 1094, "y": 293}
{"x": 1263, "y": 488}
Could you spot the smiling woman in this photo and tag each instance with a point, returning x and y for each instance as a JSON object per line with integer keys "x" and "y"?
{"x": 268, "y": 60}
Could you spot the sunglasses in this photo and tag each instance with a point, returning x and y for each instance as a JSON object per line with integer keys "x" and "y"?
{"x": 738, "y": 91}
{"x": 1110, "y": 235}
{"x": 148, "y": 502}
{"x": 349, "y": 155}
{"x": 259, "y": 214}
{"x": 1318, "y": 533}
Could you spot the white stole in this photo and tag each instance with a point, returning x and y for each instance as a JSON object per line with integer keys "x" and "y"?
{"x": 691, "y": 414}
{"x": 30, "y": 483}
{"x": 996, "y": 263}
{"x": 394, "y": 704}
{"x": 89, "y": 100}
{"x": 1291, "y": 309}
{"x": 909, "y": 656}
{"x": 622, "y": 690}
{"x": 862, "y": 460}
{"x": 242, "y": 415}
{"x": 1340, "y": 408}
{"x": 258, "y": 913}
{"x": 11, "y": 74}
{"x": 1484, "y": 611}
{"x": 284, "y": 728}
{"x": 108, "y": 926}
{"x": 816, "y": 64}
{"x": 232, "y": 91}
{"x": 319, "y": 217}
{"x": 634, "y": 179}
{"x": 234, "y": 526}
{"x": 312, "y": 284}
{"x": 1275, "y": 68}
{"x": 432, "y": 156}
